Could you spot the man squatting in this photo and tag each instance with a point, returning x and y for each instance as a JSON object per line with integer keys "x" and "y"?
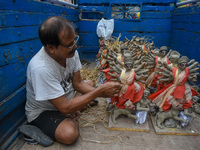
{"x": 53, "y": 75}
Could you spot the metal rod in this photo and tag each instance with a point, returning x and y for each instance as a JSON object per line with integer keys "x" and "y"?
{"x": 187, "y": 2}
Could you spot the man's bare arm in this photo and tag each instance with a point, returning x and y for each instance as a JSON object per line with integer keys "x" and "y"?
{"x": 68, "y": 106}
{"x": 80, "y": 85}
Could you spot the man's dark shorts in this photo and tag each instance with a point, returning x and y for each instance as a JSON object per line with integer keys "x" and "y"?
{"x": 48, "y": 121}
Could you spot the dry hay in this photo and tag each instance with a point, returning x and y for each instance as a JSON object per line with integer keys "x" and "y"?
{"x": 90, "y": 74}
{"x": 97, "y": 115}
{"x": 93, "y": 115}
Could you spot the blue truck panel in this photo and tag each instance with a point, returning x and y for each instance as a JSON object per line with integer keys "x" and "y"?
{"x": 17, "y": 34}
{"x": 19, "y": 23}
{"x": 27, "y": 19}
{"x": 155, "y": 22}
{"x": 185, "y": 30}
{"x": 160, "y": 21}
{"x": 36, "y": 7}
{"x": 13, "y": 68}
{"x": 127, "y": 1}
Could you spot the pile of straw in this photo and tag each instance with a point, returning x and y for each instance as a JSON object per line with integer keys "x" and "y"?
{"x": 90, "y": 74}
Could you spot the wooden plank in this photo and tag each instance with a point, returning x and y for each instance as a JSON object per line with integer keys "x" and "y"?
{"x": 159, "y": 1}
{"x": 187, "y": 10}
{"x": 88, "y": 57}
{"x": 13, "y": 101}
{"x": 87, "y": 26}
{"x": 17, "y": 34}
{"x": 88, "y": 49}
{"x": 93, "y": 1}
{"x": 158, "y": 8}
{"x": 192, "y": 18}
{"x": 189, "y": 130}
{"x": 94, "y": 8}
{"x": 187, "y": 43}
{"x": 180, "y": 42}
{"x": 27, "y": 19}
{"x": 160, "y": 39}
{"x": 156, "y": 15}
{"x": 92, "y": 16}
{"x": 128, "y": 124}
{"x": 36, "y": 6}
{"x": 88, "y": 39}
{"x": 13, "y": 76}
{"x": 124, "y": 1}
{"x": 194, "y": 27}
{"x": 18, "y": 50}
{"x": 9, "y": 125}
{"x": 146, "y": 25}
{"x": 180, "y": 26}
{"x": 94, "y": 12}
{"x": 191, "y": 27}
{"x": 88, "y": 53}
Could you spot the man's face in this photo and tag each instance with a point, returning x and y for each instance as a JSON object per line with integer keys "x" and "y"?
{"x": 67, "y": 46}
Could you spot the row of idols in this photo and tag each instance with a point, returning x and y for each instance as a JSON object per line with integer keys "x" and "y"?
{"x": 154, "y": 80}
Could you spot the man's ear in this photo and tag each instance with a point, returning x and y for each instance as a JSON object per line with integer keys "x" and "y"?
{"x": 51, "y": 48}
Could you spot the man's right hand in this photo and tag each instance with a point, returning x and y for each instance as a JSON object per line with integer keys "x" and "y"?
{"x": 110, "y": 89}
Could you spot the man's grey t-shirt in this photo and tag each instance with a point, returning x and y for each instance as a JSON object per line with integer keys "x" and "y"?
{"x": 46, "y": 80}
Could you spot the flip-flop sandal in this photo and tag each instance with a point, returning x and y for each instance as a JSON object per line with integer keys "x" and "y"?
{"x": 93, "y": 103}
{"x": 34, "y": 135}
{"x": 30, "y": 140}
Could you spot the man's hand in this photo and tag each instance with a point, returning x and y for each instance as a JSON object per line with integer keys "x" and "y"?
{"x": 110, "y": 89}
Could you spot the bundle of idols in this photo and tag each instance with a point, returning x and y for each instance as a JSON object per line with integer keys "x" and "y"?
{"x": 153, "y": 80}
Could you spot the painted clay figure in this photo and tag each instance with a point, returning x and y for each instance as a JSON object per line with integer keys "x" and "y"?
{"x": 132, "y": 90}
{"x": 196, "y": 105}
{"x": 102, "y": 47}
{"x": 161, "y": 116}
{"x": 152, "y": 80}
{"x": 174, "y": 57}
{"x": 116, "y": 112}
{"x": 171, "y": 123}
{"x": 142, "y": 107}
{"x": 103, "y": 61}
{"x": 178, "y": 90}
